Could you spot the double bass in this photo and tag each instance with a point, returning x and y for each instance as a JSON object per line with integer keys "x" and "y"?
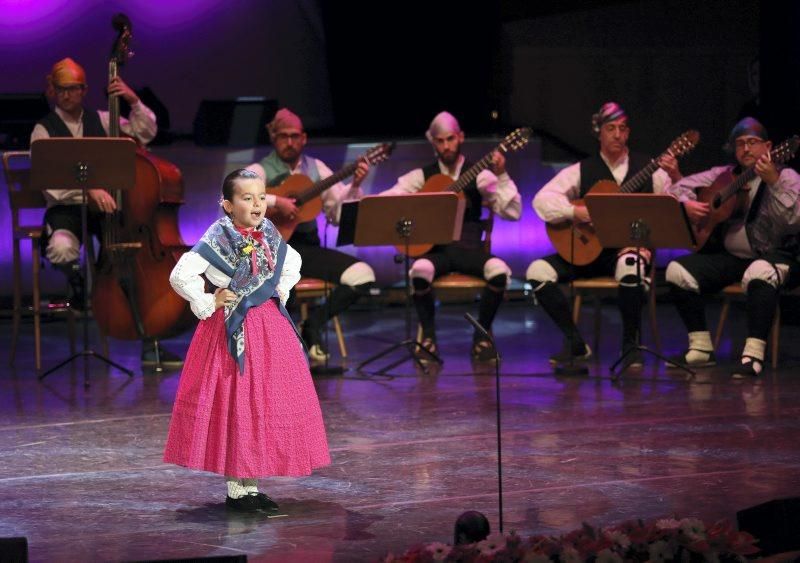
{"x": 141, "y": 242}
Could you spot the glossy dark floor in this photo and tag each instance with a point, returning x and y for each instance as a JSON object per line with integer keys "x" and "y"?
{"x": 81, "y": 473}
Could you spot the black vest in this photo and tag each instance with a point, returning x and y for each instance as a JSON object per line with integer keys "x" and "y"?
{"x": 594, "y": 169}
{"x": 472, "y": 228}
{"x": 92, "y": 127}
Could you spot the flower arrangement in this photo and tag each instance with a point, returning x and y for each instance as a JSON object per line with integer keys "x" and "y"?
{"x": 688, "y": 539}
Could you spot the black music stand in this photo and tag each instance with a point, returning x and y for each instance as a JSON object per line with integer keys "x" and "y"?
{"x": 84, "y": 164}
{"x": 642, "y": 221}
{"x": 427, "y": 218}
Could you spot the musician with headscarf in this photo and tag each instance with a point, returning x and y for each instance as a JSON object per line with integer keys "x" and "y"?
{"x": 492, "y": 188}
{"x": 67, "y": 88}
{"x": 350, "y": 277}
{"x": 553, "y": 204}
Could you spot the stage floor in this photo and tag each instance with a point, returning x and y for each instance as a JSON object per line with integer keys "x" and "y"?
{"x": 82, "y": 478}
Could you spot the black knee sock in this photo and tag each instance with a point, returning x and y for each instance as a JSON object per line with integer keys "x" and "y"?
{"x": 690, "y": 308}
{"x": 426, "y": 307}
{"x": 554, "y": 303}
{"x": 629, "y": 300}
{"x": 762, "y": 299}
{"x": 338, "y": 301}
{"x": 491, "y": 298}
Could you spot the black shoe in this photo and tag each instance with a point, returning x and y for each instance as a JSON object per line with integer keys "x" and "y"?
{"x": 483, "y": 351}
{"x": 693, "y": 358}
{"x": 168, "y": 359}
{"x": 247, "y": 503}
{"x": 579, "y": 352}
{"x": 749, "y": 367}
{"x": 429, "y": 345}
{"x": 264, "y": 502}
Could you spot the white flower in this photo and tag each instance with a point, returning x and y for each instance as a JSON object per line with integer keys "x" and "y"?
{"x": 693, "y": 528}
{"x": 667, "y": 524}
{"x": 492, "y": 544}
{"x": 618, "y": 538}
{"x": 659, "y": 551}
{"x": 439, "y": 550}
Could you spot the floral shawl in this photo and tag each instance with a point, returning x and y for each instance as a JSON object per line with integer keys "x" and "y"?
{"x": 253, "y": 280}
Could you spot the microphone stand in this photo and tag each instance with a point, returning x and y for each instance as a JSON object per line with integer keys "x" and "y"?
{"x": 639, "y": 232}
{"x": 485, "y": 333}
{"x": 325, "y": 370}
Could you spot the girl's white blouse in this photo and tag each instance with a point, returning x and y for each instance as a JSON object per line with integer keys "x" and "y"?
{"x": 186, "y": 280}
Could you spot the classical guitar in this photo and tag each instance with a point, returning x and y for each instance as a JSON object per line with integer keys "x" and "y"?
{"x": 306, "y": 193}
{"x": 514, "y": 141}
{"x": 580, "y": 245}
{"x": 726, "y": 195}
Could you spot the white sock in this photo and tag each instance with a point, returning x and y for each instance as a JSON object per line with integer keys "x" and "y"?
{"x": 754, "y": 348}
{"x": 701, "y": 340}
{"x": 235, "y": 487}
{"x": 250, "y": 486}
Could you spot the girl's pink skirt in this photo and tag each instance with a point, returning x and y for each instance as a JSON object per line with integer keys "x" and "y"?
{"x": 264, "y": 423}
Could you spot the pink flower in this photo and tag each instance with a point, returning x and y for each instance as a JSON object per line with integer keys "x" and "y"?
{"x": 440, "y": 551}
{"x": 492, "y": 544}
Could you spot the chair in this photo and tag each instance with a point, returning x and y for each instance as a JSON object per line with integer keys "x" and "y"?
{"x": 455, "y": 281}
{"x": 308, "y": 289}
{"x": 594, "y": 287}
{"x": 16, "y": 167}
{"x": 734, "y": 291}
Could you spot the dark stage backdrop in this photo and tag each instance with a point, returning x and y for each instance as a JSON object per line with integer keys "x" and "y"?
{"x": 185, "y": 50}
{"x": 672, "y": 65}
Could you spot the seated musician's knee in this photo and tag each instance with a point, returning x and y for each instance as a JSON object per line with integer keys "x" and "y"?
{"x": 539, "y": 273}
{"x": 626, "y": 271}
{"x": 62, "y": 247}
{"x": 358, "y": 274}
{"x": 773, "y": 274}
{"x": 423, "y": 269}
{"x": 680, "y": 277}
{"x": 496, "y": 273}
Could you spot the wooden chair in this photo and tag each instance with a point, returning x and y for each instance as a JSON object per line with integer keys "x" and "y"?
{"x": 735, "y": 291}
{"x": 455, "y": 281}
{"x": 16, "y": 167}
{"x": 309, "y": 289}
{"x": 596, "y": 287}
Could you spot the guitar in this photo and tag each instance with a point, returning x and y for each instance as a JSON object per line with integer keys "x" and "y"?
{"x": 306, "y": 193}
{"x": 514, "y": 141}
{"x": 580, "y": 245}
{"x": 725, "y": 196}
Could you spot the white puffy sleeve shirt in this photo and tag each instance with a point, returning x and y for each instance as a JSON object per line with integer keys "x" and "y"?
{"x": 187, "y": 282}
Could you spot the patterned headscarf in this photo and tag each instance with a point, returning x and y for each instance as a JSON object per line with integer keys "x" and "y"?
{"x": 747, "y": 126}
{"x": 284, "y": 119}
{"x": 444, "y": 122}
{"x": 609, "y": 111}
{"x": 250, "y": 265}
{"x": 66, "y": 71}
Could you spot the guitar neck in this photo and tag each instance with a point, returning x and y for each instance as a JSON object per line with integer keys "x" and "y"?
{"x": 315, "y": 189}
{"x": 466, "y": 177}
{"x": 636, "y": 182}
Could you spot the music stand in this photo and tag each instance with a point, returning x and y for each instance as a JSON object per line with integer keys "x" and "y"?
{"x": 427, "y": 218}
{"x": 642, "y": 221}
{"x": 84, "y": 164}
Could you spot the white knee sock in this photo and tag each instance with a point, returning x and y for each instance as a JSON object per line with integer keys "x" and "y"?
{"x": 250, "y": 486}
{"x": 235, "y": 487}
